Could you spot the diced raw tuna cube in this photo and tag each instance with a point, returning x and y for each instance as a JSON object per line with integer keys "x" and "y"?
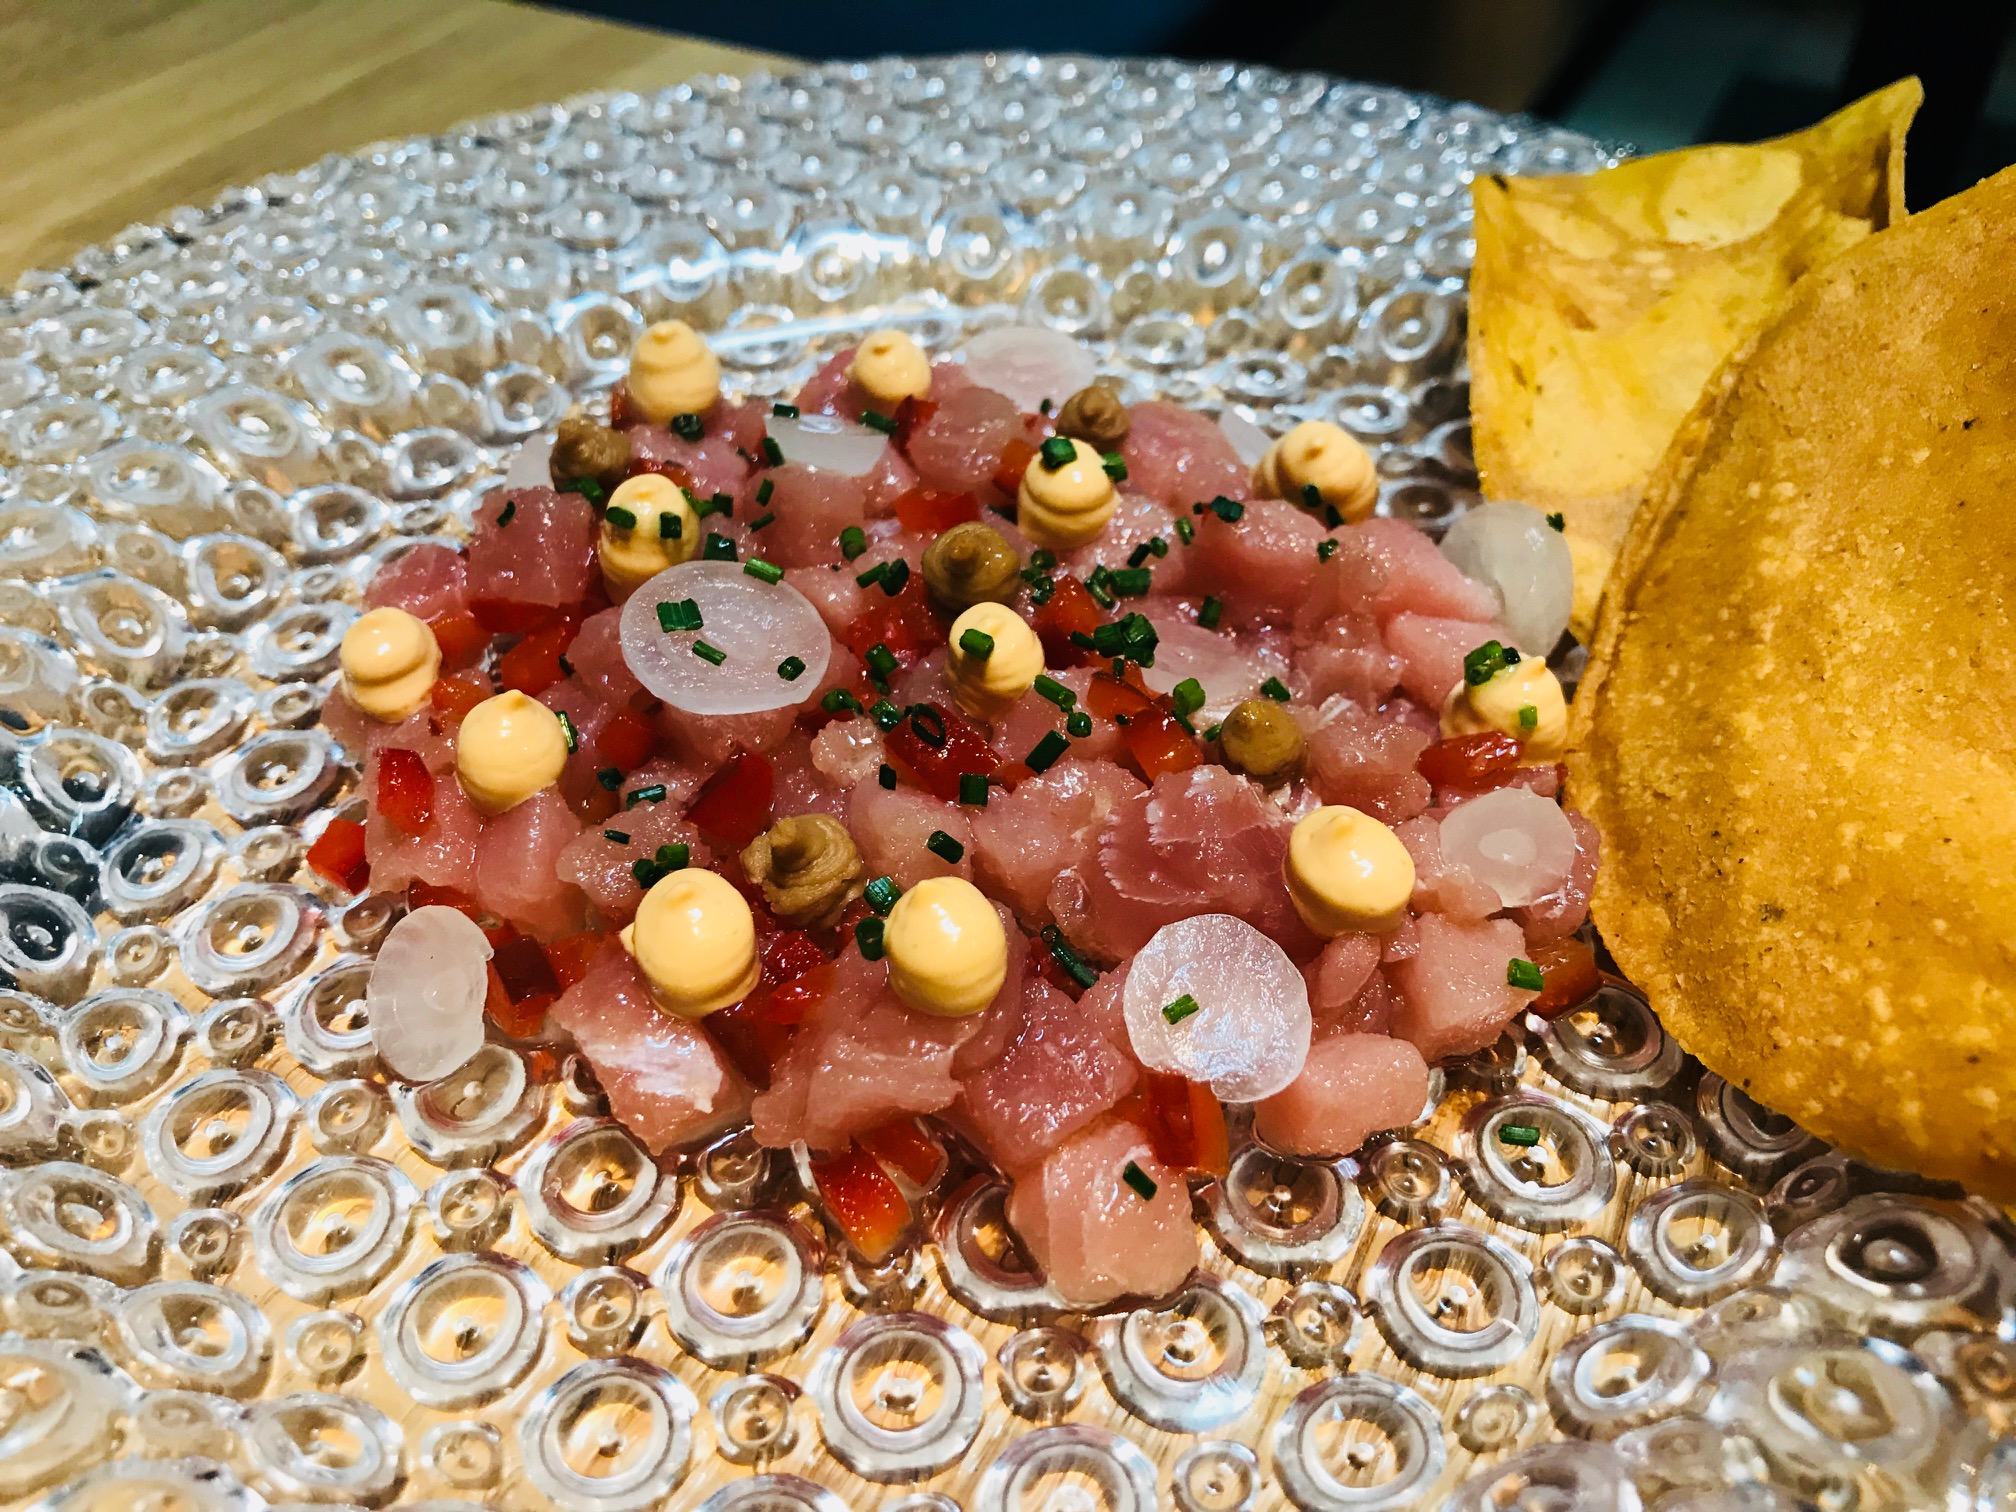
{"x": 542, "y": 557}
{"x": 1352, "y": 1086}
{"x": 831, "y": 392}
{"x": 883, "y": 484}
{"x": 441, "y": 855}
{"x": 1417, "y": 579}
{"x": 1367, "y": 763}
{"x": 1562, "y": 911}
{"x": 1032, "y": 716}
{"x": 812, "y": 508}
{"x": 427, "y": 581}
{"x": 1337, "y": 976}
{"x": 1346, "y": 656}
{"x": 597, "y": 658}
{"x": 1023, "y": 839}
{"x": 892, "y": 826}
{"x": 1138, "y": 520}
{"x": 708, "y": 466}
{"x": 1094, "y": 1236}
{"x": 603, "y": 868}
{"x": 518, "y": 866}
{"x": 960, "y": 446}
{"x": 1441, "y": 885}
{"x": 1262, "y": 565}
{"x": 1180, "y": 457}
{"x": 1058, "y": 1074}
{"x": 1453, "y": 994}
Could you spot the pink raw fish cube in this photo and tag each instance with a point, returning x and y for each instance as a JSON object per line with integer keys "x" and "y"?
{"x": 1367, "y": 763}
{"x": 1180, "y": 457}
{"x": 1062, "y": 1070}
{"x": 518, "y": 866}
{"x": 958, "y": 448}
{"x": 427, "y": 581}
{"x": 542, "y": 555}
{"x": 1453, "y": 994}
{"x": 1352, "y": 1086}
{"x": 1092, "y": 1234}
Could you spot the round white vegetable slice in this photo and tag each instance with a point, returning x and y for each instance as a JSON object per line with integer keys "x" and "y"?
{"x": 1029, "y": 364}
{"x": 1247, "y": 439}
{"x": 1513, "y": 548}
{"x": 1248, "y": 1034}
{"x": 828, "y": 443}
{"x": 754, "y": 626}
{"x": 425, "y": 998}
{"x": 1515, "y": 842}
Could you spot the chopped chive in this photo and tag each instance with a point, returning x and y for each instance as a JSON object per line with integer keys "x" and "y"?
{"x": 670, "y": 527}
{"x": 1142, "y": 1183}
{"x": 566, "y": 666}
{"x": 764, "y": 489}
{"x": 1181, "y": 1009}
{"x": 505, "y": 515}
{"x": 1057, "y": 452}
{"x": 1558, "y": 521}
{"x": 887, "y": 777}
{"x": 673, "y": 857}
{"x": 688, "y": 427}
{"x": 646, "y": 871}
{"x": 589, "y": 489}
{"x": 616, "y": 837}
{"x": 894, "y": 575}
{"x": 868, "y": 935}
{"x": 853, "y": 541}
{"x": 721, "y": 504}
{"x": 1043, "y": 559}
{"x": 1043, "y": 407}
{"x": 1079, "y": 723}
{"x": 1529, "y": 716}
{"x": 881, "y": 660}
{"x": 928, "y": 725}
{"x": 611, "y": 778}
{"x": 761, "y": 520}
{"x": 973, "y": 789}
{"x": 876, "y": 421}
{"x": 1055, "y": 691}
{"x": 718, "y": 549}
{"x": 772, "y": 452}
{"x": 1061, "y": 952}
{"x": 567, "y": 731}
{"x": 712, "y": 655}
{"x": 1208, "y": 613}
{"x": 977, "y": 644}
{"x": 1312, "y": 496}
{"x": 1096, "y": 586}
{"x": 1186, "y": 532}
{"x": 871, "y": 577}
{"x": 1276, "y": 689}
{"x": 1131, "y": 582}
{"x": 1485, "y": 663}
{"x": 1519, "y": 1134}
{"x": 1048, "y": 749}
{"x": 679, "y": 614}
{"x": 655, "y": 793}
{"x": 1325, "y": 550}
{"x": 882, "y": 893}
{"x": 791, "y": 668}
{"x": 1187, "y": 697}
{"x": 1211, "y": 731}
{"x": 1524, "y": 975}
{"x": 1114, "y": 465}
{"x": 1231, "y": 511}
{"x": 839, "y": 700}
{"x": 784, "y": 411}
{"x": 945, "y": 847}
{"x": 1157, "y": 547}
{"x": 621, "y": 518}
{"x": 1041, "y": 590}
{"x": 885, "y": 714}
{"x": 1138, "y": 555}
{"x": 769, "y": 572}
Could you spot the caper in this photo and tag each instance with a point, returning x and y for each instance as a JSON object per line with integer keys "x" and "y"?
{"x": 971, "y": 564}
{"x": 808, "y": 867}
{"x": 1261, "y": 739}
{"x": 1095, "y": 416}
{"x": 585, "y": 449}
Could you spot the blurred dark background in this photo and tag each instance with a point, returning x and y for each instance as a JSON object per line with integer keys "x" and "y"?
{"x": 1659, "y": 73}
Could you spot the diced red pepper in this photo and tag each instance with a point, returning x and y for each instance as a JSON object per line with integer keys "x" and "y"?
{"x": 789, "y": 954}
{"x": 1468, "y": 760}
{"x": 426, "y": 894}
{"x": 1183, "y": 1120}
{"x": 937, "y": 765}
{"x": 901, "y": 1146}
{"x": 866, "y": 1204}
{"x": 623, "y": 410}
{"x": 1154, "y": 742}
{"x": 911, "y": 415}
{"x": 508, "y": 617}
{"x": 1015, "y": 459}
{"x": 927, "y": 511}
{"x": 338, "y": 854}
{"x": 733, "y": 806}
{"x": 1071, "y": 608}
{"x": 570, "y": 958}
{"x": 905, "y": 623}
{"x": 754, "y": 1032}
{"x": 626, "y": 741}
{"x": 520, "y": 1020}
{"x": 455, "y": 695}
{"x": 459, "y": 636}
{"x": 524, "y": 969}
{"x": 405, "y": 793}
{"x": 1568, "y": 975}
{"x": 533, "y": 665}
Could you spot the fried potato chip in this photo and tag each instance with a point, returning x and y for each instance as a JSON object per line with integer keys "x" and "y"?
{"x": 1600, "y": 303}
{"x": 1798, "y": 728}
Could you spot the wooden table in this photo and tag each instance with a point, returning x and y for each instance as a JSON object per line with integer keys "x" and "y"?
{"x": 112, "y": 111}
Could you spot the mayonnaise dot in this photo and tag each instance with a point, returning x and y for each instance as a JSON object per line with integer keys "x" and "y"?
{"x": 1523, "y": 700}
{"x": 947, "y": 951}
{"x": 1347, "y": 871}
{"x": 633, "y": 546}
{"x": 1068, "y": 506}
{"x": 891, "y": 367}
{"x": 695, "y": 941}
{"x": 390, "y": 661}
{"x": 988, "y": 685}
{"x": 673, "y": 372}
{"x": 509, "y": 747}
{"x": 1326, "y": 457}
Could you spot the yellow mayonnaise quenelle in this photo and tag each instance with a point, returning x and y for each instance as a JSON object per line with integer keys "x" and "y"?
{"x": 1063, "y": 507}
{"x": 891, "y": 367}
{"x": 988, "y": 684}
{"x": 509, "y": 747}
{"x": 947, "y": 951}
{"x": 695, "y": 941}
{"x": 1347, "y": 871}
{"x": 1317, "y": 454}
{"x": 390, "y": 661}
{"x": 633, "y": 545}
{"x": 673, "y": 372}
{"x": 1523, "y": 700}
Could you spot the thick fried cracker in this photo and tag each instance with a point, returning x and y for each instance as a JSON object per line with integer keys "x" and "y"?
{"x": 1798, "y": 731}
{"x": 1600, "y": 303}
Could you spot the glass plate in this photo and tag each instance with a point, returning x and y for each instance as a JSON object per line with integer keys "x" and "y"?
{"x": 242, "y": 1268}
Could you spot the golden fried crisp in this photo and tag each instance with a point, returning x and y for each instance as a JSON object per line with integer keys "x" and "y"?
{"x": 1798, "y": 729}
{"x": 1600, "y": 303}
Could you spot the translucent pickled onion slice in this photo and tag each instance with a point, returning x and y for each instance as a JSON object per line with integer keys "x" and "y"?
{"x": 1247, "y": 439}
{"x": 425, "y": 998}
{"x": 828, "y": 444}
{"x": 531, "y": 466}
{"x": 1514, "y": 549}
{"x": 1249, "y": 1034}
{"x": 1029, "y": 364}
{"x": 1515, "y": 842}
{"x": 756, "y": 626}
